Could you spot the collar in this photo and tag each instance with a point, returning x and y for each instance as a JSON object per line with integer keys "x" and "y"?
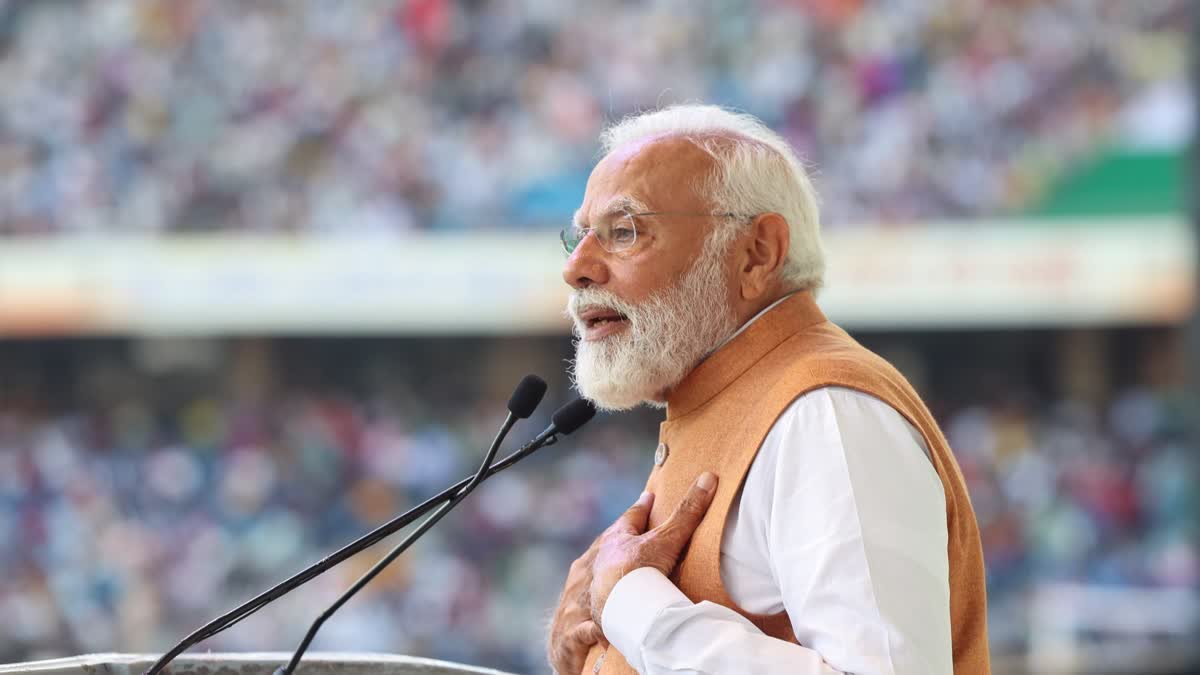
{"x": 751, "y": 320}
{"x": 762, "y": 333}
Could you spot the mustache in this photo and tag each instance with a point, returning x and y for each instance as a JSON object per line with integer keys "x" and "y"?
{"x": 585, "y": 299}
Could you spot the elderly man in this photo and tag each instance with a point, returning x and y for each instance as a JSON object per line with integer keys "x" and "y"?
{"x": 804, "y": 513}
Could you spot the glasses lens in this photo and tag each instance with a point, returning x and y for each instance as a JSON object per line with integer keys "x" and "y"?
{"x": 570, "y": 237}
{"x": 621, "y": 235}
{"x": 613, "y": 237}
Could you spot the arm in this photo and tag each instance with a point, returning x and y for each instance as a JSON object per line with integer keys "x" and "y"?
{"x": 851, "y": 516}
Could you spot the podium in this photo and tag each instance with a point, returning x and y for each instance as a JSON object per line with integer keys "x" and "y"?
{"x": 259, "y": 663}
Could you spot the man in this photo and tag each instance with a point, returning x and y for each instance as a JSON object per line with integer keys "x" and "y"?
{"x": 804, "y": 513}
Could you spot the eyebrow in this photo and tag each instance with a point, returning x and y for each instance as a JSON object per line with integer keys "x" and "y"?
{"x": 615, "y": 206}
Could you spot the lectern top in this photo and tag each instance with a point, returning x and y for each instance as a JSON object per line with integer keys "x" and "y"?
{"x": 261, "y": 663}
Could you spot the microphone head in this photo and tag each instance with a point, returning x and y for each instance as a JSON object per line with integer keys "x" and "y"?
{"x": 573, "y": 415}
{"x": 527, "y": 396}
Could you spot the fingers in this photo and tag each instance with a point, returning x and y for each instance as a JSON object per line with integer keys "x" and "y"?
{"x": 584, "y": 562}
{"x": 634, "y": 520}
{"x": 687, "y": 516}
{"x": 570, "y": 654}
{"x": 587, "y": 634}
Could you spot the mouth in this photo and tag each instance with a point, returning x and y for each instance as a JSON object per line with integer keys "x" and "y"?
{"x": 599, "y": 322}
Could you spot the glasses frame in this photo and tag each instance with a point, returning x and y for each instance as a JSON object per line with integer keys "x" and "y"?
{"x": 569, "y": 248}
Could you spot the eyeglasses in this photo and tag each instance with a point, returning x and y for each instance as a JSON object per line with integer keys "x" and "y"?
{"x": 621, "y": 233}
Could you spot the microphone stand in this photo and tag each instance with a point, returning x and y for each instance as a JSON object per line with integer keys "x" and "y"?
{"x": 398, "y": 549}
{"x": 548, "y": 437}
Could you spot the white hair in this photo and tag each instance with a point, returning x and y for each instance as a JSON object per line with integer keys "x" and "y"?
{"x": 756, "y": 172}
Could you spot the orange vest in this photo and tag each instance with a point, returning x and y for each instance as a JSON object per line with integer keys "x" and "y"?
{"x": 718, "y": 417}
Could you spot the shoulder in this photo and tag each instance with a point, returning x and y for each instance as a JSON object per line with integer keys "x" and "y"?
{"x": 841, "y": 403}
{"x": 840, "y": 417}
{"x": 832, "y": 353}
{"x": 825, "y": 357}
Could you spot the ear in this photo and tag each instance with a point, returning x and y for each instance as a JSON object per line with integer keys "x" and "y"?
{"x": 764, "y": 250}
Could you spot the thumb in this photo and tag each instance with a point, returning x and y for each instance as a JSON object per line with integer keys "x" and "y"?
{"x": 683, "y": 522}
{"x": 636, "y": 518}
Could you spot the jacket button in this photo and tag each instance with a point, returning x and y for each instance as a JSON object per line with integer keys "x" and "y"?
{"x": 660, "y": 455}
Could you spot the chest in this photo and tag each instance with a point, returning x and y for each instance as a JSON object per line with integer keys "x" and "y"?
{"x": 720, "y": 439}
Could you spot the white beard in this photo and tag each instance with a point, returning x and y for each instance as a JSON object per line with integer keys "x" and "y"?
{"x": 667, "y": 336}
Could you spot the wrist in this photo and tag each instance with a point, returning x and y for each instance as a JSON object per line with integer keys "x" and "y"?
{"x": 634, "y": 609}
{"x": 602, "y": 588}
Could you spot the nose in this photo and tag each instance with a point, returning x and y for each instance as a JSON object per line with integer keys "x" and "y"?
{"x": 586, "y": 265}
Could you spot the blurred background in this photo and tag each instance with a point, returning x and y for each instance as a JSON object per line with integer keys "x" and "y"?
{"x": 269, "y": 271}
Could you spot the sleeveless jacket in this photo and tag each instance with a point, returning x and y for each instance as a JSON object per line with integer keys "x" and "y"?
{"x": 718, "y": 417}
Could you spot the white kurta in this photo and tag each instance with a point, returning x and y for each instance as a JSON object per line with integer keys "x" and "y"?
{"x": 842, "y": 523}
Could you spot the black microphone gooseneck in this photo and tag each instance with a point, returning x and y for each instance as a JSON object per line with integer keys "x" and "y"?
{"x": 397, "y": 550}
{"x": 565, "y": 420}
{"x": 524, "y": 400}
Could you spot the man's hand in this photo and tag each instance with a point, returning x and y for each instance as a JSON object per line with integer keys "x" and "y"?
{"x": 572, "y": 631}
{"x": 626, "y": 546}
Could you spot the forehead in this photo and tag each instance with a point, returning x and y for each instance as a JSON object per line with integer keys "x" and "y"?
{"x": 657, "y": 173}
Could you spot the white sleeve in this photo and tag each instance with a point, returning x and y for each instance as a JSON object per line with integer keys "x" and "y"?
{"x": 854, "y": 523}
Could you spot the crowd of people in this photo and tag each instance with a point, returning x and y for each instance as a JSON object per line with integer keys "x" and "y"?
{"x": 396, "y": 115}
{"x": 147, "y": 487}
{"x": 141, "y": 495}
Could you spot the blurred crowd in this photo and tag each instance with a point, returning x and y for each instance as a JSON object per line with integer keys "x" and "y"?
{"x": 146, "y": 504}
{"x": 379, "y": 116}
{"x": 152, "y": 497}
{"x": 146, "y": 487}
{"x": 1068, "y": 493}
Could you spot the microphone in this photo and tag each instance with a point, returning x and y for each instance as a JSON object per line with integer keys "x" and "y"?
{"x": 526, "y": 397}
{"x": 565, "y": 420}
{"x": 572, "y": 416}
{"x": 521, "y": 404}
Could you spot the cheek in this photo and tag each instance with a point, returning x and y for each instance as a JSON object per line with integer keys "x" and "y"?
{"x": 637, "y": 280}
{"x": 637, "y": 284}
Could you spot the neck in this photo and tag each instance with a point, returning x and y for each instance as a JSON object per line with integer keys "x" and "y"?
{"x": 751, "y": 315}
{"x": 755, "y": 338}
{"x": 748, "y": 311}
{"x": 746, "y": 317}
